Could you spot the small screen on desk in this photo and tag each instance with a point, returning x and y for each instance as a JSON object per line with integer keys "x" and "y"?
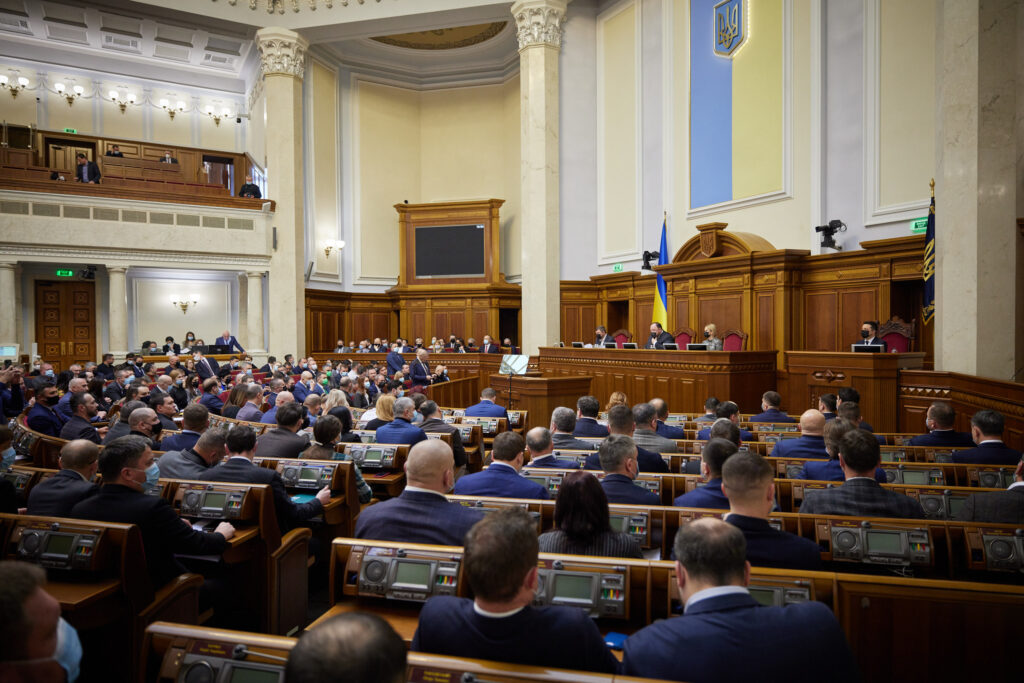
{"x": 618, "y": 522}
{"x": 58, "y": 544}
{"x": 573, "y": 588}
{"x": 243, "y": 674}
{"x": 956, "y": 504}
{"x": 214, "y": 500}
{"x": 415, "y": 574}
{"x": 765, "y": 596}
{"x": 309, "y": 473}
{"x": 373, "y": 455}
{"x": 887, "y": 542}
{"x": 915, "y": 477}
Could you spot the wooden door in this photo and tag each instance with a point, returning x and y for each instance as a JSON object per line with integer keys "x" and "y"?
{"x": 66, "y": 322}
{"x": 63, "y": 156}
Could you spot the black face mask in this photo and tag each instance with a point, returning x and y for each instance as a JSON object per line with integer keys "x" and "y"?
{"x": 51, "y": 400}
{"x": 706, "y": 334}
{"x": 156, "y": 429}
{"x": 865, "y": 334}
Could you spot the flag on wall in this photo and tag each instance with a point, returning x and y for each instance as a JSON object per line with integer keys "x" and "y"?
{"x": 929, "y": 263}
{"x": 661, "y": 292}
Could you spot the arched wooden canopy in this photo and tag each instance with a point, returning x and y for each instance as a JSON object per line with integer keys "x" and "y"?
{"x": 713, "y": 241}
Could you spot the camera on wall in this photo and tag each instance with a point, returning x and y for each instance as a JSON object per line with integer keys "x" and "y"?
{"x": 828, "y": 234}
{"x": 648, "y": 257}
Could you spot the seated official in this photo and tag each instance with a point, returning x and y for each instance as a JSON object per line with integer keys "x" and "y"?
{"x": 250, "y": 411}
{"x": 658, "y": 337}
{"x": 831, "y": 470}
{"x": 165, "y": 408}
{"x": 83, "y": 409}
{"x": 827, "y": 406}
{"x": 502, "y": 477}
{"x": 851, "y": 395}
{"x": 587, "y": 410}
{"x": 860, "y": 495}
{"x": 285, "y": 441}
{"x": 76, "y": 385}
{"x": 710, "y": 406}
{"x": 538, "y": 440}
{"x": 401, "y": 430}
{"x": 661, "y": 414}
{"x": 563, "y": 424}
{"x": 195, "y": 421}
{"x": 940, "y": 421}
{"x": 305, "y": 387}
{"x": 716, "y": 453}
{"x": 433, "y": 423}
{"x": 850, "y": 411}
{"x": 239, "y": 468}
{"x": 282, "y": 398}
{"x": 115, "y": 390}
{"x": 583, "y": 524}
{"x": 43, "y": 416}
{"x": 211, "y": 396}
{"x": 129, "y": 469}
{"x": 997, "y": 507}
{"x": 355, "y": 647}
{"x": 421, "y": 514}
{"x": 326, "y": 432}
{"x": 811, "y": 443}
{"x": 38, "y": 646}
{"x": 618, "y": 456}
{"x": 144, "y": 423}
{"x": 770, "y": 402}
{"x": 381, "y": 414}
{"x": 869, "y": 335}
{"x": 194, "y": 462}
{"x": 731, "y": 412}
{"x": 56, "y": 495}
{"x": 645, "y": 418}
{"x": 499, "y": 623}
{"x": 987, "y": 431}
{"x": 724, "y": 634}
{"x": 121, "y": 428}
{"x": 748, "y": 483}
{"x": 601, "y": 336}
{"x": 711, "y": 338}
{"x": 487, "y": 407}
{"x": 620, "y": 421}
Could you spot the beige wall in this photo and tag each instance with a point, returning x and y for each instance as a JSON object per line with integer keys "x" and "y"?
{"x": 155, "y": 317}
{"x": 511, "y": 235}
{"x": 255, "y": 137}
{"x": 324, "y": 180}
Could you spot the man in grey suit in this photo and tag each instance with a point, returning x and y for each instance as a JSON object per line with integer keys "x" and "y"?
{"x": 1001, "y": 507}
{"x": 285, "y": 441}
{"x": 563, "y": 423}
{"x": 55, "y": 496}
{"x": 645, "y": 434}
{"x": 192, "y": 463}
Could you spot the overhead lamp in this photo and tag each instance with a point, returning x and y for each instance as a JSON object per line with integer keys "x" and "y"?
{"x": 69, "y": 95}
{"x": 332, "y": 245}
{"x": 115, "y": 97}
{"x": 5, "y": 82}
{"x": 184, "y": 302}
{"x": 172, "y": 110}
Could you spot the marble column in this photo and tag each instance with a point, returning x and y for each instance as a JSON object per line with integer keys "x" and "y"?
{"x": 978, "y": 275}
{"x": 118, "y": 306}
{"x": 539, "y": 24}
{"x": 8, "y": 310}
{"x": 254, "y": 312}
{"x": 282, "y": 64}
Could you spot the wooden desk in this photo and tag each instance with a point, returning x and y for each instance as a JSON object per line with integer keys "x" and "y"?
{"x": 128, "y": 167}
{"x": 77, "y": 596}
{"x": 539, "y": 396}
{"x": 389, "y": 483}
{"x": 402, "y": 618}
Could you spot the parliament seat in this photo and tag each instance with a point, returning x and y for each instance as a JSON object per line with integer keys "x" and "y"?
{"x": 43, "y": 450}
{"x": 734, "y": 340}
{"x": 24, "y": 477}
{"x": 939, "y": 502}
{"x": 305, "y": 477}
{"x": 683, "y": 336}
{"x": 897, "y": 334}
{"x": 621, "y": 336}
{"x": 382, "y": 465}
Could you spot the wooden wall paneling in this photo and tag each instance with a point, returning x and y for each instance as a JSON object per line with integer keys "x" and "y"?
{"x": 588, "y": 321}
{"x": 725, "y": 310}
{"x": 855, "y": 306}
{"x": 482, "y": 325}
{"x": 820, "y": 321}
{"x": 764, "y": 322}
{"x": 418, "y": 325}
{"x": 570, "y": 323}
{"x": 641, "y": 328}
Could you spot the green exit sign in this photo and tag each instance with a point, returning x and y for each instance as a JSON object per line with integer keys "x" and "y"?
{"x": 919, "y": 226}
{"x": 65, "y": 273}
{"x": 617, "y": 268}
{"x": 70, "y": 130}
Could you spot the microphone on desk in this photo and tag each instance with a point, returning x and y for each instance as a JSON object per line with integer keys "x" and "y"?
{"x": 241, "y": 652}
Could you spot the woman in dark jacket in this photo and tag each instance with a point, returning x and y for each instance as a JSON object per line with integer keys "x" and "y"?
{"x": 582, "y": 522}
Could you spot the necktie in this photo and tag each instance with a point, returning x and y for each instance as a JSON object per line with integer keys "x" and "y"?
{"x": 207, "y": 364}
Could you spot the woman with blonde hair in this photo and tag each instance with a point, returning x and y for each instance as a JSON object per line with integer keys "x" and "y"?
{"x": 617, "y": 399}
{"x": 711, "y": 337}
{"x": 385, "y": 412}
{"x": 335, "y": 398}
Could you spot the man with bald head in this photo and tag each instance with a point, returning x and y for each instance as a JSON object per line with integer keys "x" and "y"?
{"x": 56, "y": 495}
{"x": 77, "y": 385}
{"x": 144, "y": 422}
{"x": 270, "y": 417}
{"x": 811, "y": 443}
{"x": 421, "y": 514}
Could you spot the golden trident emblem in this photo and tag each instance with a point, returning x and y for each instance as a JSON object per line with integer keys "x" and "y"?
{"x": 728, "y": 26}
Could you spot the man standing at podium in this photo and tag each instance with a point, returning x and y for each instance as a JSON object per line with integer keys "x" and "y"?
{"x": 659, "y": 337}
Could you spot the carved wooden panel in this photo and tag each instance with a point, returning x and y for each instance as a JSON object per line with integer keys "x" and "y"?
{"x": 418, "y": 325}
{"x": 642, "y": 320}
{"x": 588, "y": 321}
{"x": 65, "y": 315}
{"x": 855, "y": 307}
{"x": 682, "y": 310}
{"x": 481, "y": 325}
{"x": 725, "y": 311}
{"x": 764, "y": 337}
{"x": 820, "y": 316}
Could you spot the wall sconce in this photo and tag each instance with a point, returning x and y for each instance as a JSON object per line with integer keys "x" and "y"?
{"x": 184, "y": 302}
{"x": 15, "y": 89}
{"x": 71, "y": 96}
{"x": 171, "y": 111}
{"x": 129, "y": 98}
{"x": 331, "y": 245}
{"x": 224, "y": 113}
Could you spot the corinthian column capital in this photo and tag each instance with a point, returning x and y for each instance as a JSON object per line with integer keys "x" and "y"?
{"x": 539, "y": 22}
{"x": 281, "y": 52}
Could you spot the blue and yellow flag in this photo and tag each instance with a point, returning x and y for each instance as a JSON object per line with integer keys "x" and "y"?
{"x": 929, "y": 264}
{"x": 661, "y": 293}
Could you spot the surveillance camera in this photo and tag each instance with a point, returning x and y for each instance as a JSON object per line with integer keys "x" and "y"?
{"x": 238, "y": 119}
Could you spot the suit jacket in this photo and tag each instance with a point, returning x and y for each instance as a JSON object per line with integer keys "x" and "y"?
{"x": 705, "y": 434}
{"x": 242, "y": 471}
{"x": 875, "y": 341}
{"x": 163, "y": 532}
{"x": 281, "y": 443}
{"x": 105, "y": 371}
{"x": 831, "y": 470}
{"x": 500, "y": 480}
{"x": 183, "y": 464}
{"x": 771, "y": 415}
{"x": 436, "y": 426}
{"x": 78, "y": 428}
{"x": 88, "y": 171}
{"x": 989, "y": 453}
{"x": 205, "y": 372}
{"x": 861, "y": 497}
{"x": 550, "y": 461}
{"x": 648, "y": 461}
{"x": 212, "y": 403}
{"x": 230, "y": 342}
{"x": 420, "y": 372}
{"x": 708, "y": 496}
{"x": 54, "y": 497}
{"x": 588, "y": 426}
{"x": 568, "y": 442}
{"x": 768, "y": 547}
{"x": 652, "y": 441}
{"x": 486, "y": 409}
{"x": 250, "y": 190}
{"x": 620, "y": 489}
{"x": 167, "y": 422}
{"x": 943, "y": 438}
{"x": 113, "y": 392}
{"x": 114, "y": 154}
{"x": 660, "y": 341}
{"x": 606, "y": 339}
{"x": 12, "y": 400}
{"x": 805, "y": 446}
{"x": 417, "y": 517}
{"x": 1002, "y": 507}
{"x": 179, "y": 442}
{"x": 270, "y": 417}
{"x": 176, "y": 348}
{"x": 116, "y": 431}
{"x": 400, "y": 430}
{"x": 732, "y": 639}
{"x": 395, "y": 362}
{"x": 249, "y": 413}
{"x": 669, "y": 432}
{"x": 45, "y": 420}
{"x": 490, "y": 348}
{"x": 563, "y": 637}
{"x": 300, "y": 392}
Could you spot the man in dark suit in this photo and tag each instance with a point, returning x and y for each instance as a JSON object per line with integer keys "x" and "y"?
{"x": 489, "y": 346}
{"x": 724, "y": 634}
{"x": 394, "y": 360}
{"x": 12, "y": 396}
{"x": 502, "y": 478}
{"x": 618, "y": 460}
{"x": 282, "y": 398}
{"x": 827, "y": 406}
{"x": 86, "y": 171}
{"x": 193, "y": 462}
{"x": 249, "y": 189}
{"x": 538, "y": 440}
{"x": 716, "y": 453}
{"x": 421, "y": 514}
{"x": 831, "y": 470}
{"x": 228, "y": 340}
{"x": 170, "y": 347}
{"x": 940, "y": 421}
{"x": 661, "y": 414}
{"x": 106, "y": 368}
{"x": 620, "y": 421}
{"x": 710, "y": 408}
{"x": 76, "y": 385}
{"x": 211, "y": 396}
{"x": 195, "y": 421}
{"x": 587, "y": 410}
{"x": 43, "y": 416}
{"x": 205, "y": 367}
{"x": 770, "y": 402}
{"x": 601, "y": 336}
{"x": 419, "y": 370}
{"x": 868, "y": 330}
{"x": 251, "y": 412}
{"x": 747, "y": 481}
{"x": 83, "y": 409}
{"x": 731, "y": 412}
{"x": 487, "y": 407}
{"x": 563, "y": 424}
{"x": 434, "y": 424}
{"x": 659, "y": 337}
{"x": 167, "y": 158}
{"x": 55, "y": 496}
{"x": 987, "y": 431}
{"x": 129, "y": 469}
{"x": 114, "y": 151}
{"x": 143, "y": 422}
{"x": 645, "y": 419}
{"x": 121, "y": 428}
{"x": 811, "y": 443}
{"x": 500, "y": 622}
{"x": 284, "y": 441}
{"x": 165, "y": 408}
{"x": 401, "y": 430}
{"x": 1002, "y": 507}
{"x": 860, "y": 495}
{"x": 851, "y": 395}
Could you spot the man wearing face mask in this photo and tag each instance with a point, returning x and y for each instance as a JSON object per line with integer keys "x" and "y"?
{"x": 145, "y": 424}
{"x": 868, "y": 330}
{"x": 56, "y": 495}
{"x": 192, "y": 463}
{"x": 129, "y": 469}
{"x": 43, "y": 417}
{"x": 115, "y": 391}
{"x": 36, "y": 644}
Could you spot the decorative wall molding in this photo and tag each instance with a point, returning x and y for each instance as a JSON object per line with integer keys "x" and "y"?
{"x": 282, "y": 52}
{"x": 539, "y": 22}
{"x": 85, "y": 254}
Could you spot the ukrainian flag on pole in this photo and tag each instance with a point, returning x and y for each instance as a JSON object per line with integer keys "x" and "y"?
{"x": 929, "y": 263}
{"x": 661, "y": 293}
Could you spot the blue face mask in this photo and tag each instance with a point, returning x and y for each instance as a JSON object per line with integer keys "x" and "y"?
{"x": 401, "y": 393}
{"x": 8, "y": 458}
{"x": 152, "y": 477}
{"x": 68, "y": 652}
{"x": 49, "y": 373}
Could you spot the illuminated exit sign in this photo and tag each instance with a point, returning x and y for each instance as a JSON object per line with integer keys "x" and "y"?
{"x": 65, "y": 273}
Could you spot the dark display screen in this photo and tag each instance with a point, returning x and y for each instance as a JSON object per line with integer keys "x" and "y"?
{"x": 450, "y": 251}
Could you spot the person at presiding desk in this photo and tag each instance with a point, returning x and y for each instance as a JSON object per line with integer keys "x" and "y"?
{"x": 987, "y": 431}
{"x": 644, "y": 432}
{"x": 810, "y": 444}
{"x": 940, "y": 421}
{"x": 770, "y": 402}
{"x": 563, "y": 424}
{"x": 730, "y": 411}
{"x": 587, "y": 411}
{"x": 355, "y": 647}
{"x": 43, "y": 416}
{"x": 601, "y": 336}
{"x": 659, "y": 337}
{"x": 620, "y": 421}
{"x": 538, "y": 440}
{"x": 868, "y": 332}
{"x": 195, "y": 421}
{"x": 618, "y": 455}
{"x": 711, "y": 337}
{"x": 748, "y": 483}
{"x": 249, "y": 189}
{"x": 194, "y": 461}
{"x": 487, "y": 407}
{"x": 831, "y": 470}
{"x": 83, "y": 409}
{"x": 501, "y": 478}
{"x": 422, "y": 514}
{"x": 499, "y": 623}
{"x": 716, "y": 453}
{"x": 860, "y": 495}
{"x": 433, "y": 424}
{"x": 724, "y": 634}
{"x": 284, "y": 441}
{"x": 57, "y": 495}
{"x": 129, "y": 469}
{"x": 997, "y": 507}
{"x": 583, "y": 524}
{"x": 401, "y": 430}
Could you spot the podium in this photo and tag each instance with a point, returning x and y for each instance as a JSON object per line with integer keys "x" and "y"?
{"x": 874, "y": 375}
{"x": 539, "y": 395}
